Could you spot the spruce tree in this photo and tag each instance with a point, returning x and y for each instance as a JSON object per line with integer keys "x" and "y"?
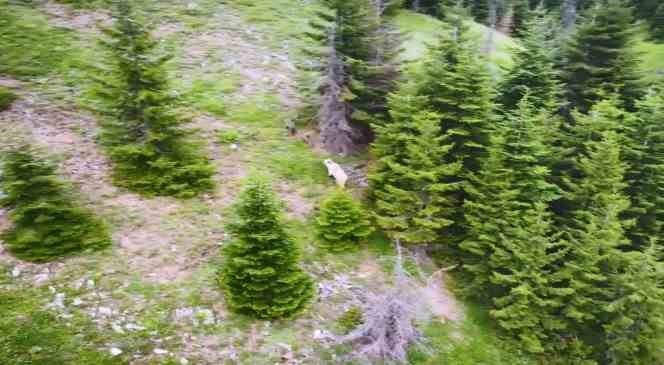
{"x": 533, "y": 71}
{"x": 646, "y": 172}
{"x": 358, "y": 65}
{"x": 151, "y": 151}
{"x": 455, "y": 82}
{"x": 513, "y": 178}
{"x": 597, "y": 236}
{"x": 408, "y": 183}
{"x": 633, "y": 331}
{"x": 261, "y": 277}
{"x": 530, "y": 288}
{"x": 342, "y": 223}
{"x": 48, "y": 222}
{"x": 572, "y": 143}
{"x": 600, "y": 60}
{"x": 488, "y": 210}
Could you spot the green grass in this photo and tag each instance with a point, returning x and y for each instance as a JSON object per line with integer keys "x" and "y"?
{"x": 422, "y": 30}
{"x": 29, "y": 46}
{"x": 208, "y": 94}
{"x": 473, "y": 342}
{"x": 271, "y": 148}
{"x": 283, "y": 20}
{"x": 652, "y": 56}
{"x": 35, "y": 336}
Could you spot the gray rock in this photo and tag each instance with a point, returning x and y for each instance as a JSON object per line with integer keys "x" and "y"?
{"x": 115, "y": 351}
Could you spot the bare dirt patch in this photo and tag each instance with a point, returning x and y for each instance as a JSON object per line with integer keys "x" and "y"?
{"x": 297, "y": 206}
{"x": 61, "y": 15}
{"x": 240, "y": 50}
{"x": 142, "y": 231}
{"x": 442, "y": 302}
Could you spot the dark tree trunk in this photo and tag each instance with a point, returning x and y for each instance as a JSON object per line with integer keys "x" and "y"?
{"x": 337, "y": 134}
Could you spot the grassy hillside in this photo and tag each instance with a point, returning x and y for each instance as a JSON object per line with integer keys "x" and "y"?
{"x": 154, "y": 298}
{"x": 421, "y": 30}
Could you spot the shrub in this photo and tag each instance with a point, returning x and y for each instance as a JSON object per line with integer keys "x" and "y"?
{"x": 342, "y": 223}
{"x": 6, "y": 98}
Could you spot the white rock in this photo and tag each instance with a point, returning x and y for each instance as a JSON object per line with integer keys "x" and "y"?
{"x": 322, "y": 335}
{"x": 105, "y": 311}
{"x": 234, "y": 146}
{"x": 41, "y": 278}
{"x": 184, "y": 313}
{"x": 134, "y": 327}
{"x": 184, "y": 361}
{"x": 117, "y": 328}
{"x": 77, "y": 302}
{"x": 16, "y": 272}
{"x": 90, "y": 284}
{"x": 115, "y": 351}
{"x": 160, "y": 351}
{"x": 59, "y": 300}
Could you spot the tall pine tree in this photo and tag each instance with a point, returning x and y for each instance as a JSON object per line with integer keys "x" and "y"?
{"x": 513, "y": 178}
{"x": 600, "y": 59}
{"x": 455, "y": 82}
{"x": 408, "y": 182}
{"x": 49, "y": 223}
{"x": 635, "y": 325}
{"x": 646, "y": 173}
{"x": 533, "y": 70}
{"x": 151, "y": 151}
{"x": 261, "y": 277}
{"x": 597, "y": 236}
{"x": 358, "y": 54}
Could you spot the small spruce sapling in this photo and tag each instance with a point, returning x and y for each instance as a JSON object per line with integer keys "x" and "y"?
{"x": 48, "y": 223}
{"x": 342, "y": 223}
{"x": 261, "y": 277}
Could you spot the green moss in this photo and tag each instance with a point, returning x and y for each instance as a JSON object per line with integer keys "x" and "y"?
{"x": 350, "y": 319}
{"x": 6, "y": 98}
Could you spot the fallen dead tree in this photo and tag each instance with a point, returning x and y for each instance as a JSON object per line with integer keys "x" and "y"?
{"x": 388, "y": 327}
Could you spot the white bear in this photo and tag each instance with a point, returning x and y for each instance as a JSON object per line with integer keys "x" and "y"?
{"x": 334, "y": 170}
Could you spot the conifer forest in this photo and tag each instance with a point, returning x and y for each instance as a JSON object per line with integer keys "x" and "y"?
{"x": 305, "y": 182}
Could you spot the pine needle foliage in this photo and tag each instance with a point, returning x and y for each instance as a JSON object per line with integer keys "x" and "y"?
{"x": 599, "y": 59}
{"x": 530, "y": 295}
{"x": 342, "y": 223}
{"x": 151, "y": 151}
{"x": 646, "y": 171}
{"x": 633, "y": 331}
{"x": 261, "y": 277}
{"x": 367, "y": 46}
{"x": 408, "y": 183}
{"x": 48, "y": 222}
{"x": 512, "y": 184}
{"x": 455, "y": 83}
{"x": 533, "y": 71}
